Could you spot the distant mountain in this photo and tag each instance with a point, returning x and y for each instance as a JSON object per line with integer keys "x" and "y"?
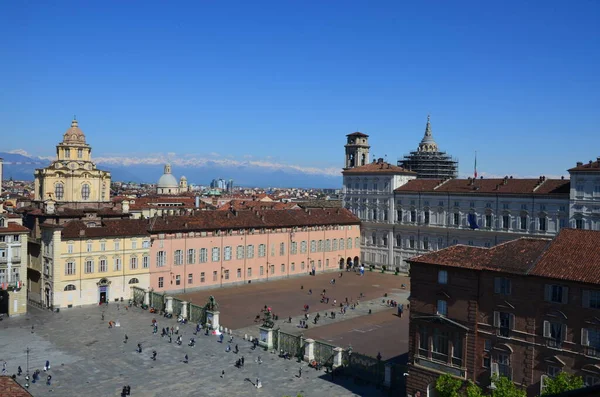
{"x": 19, "y": 166}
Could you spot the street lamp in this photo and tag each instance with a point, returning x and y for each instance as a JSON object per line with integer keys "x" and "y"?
{"x": 27, "y": 375}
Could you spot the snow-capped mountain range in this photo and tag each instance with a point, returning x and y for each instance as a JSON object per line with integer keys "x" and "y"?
{"x": 199, "y": 170}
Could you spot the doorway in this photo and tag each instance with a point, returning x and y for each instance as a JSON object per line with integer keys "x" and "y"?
{"x": 103, "y": 294}
{"x": 48, "y": 297}
{"x": 3, "y": 302}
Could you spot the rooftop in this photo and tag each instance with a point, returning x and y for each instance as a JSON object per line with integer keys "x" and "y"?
{"x": 573, "y": 255}
{"x": 378, "y": 167}
{"x": 591, "y": 166}
{"x": 506, "y": 185}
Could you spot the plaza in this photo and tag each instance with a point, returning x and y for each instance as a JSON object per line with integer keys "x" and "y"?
{"x": 87, "y": 357}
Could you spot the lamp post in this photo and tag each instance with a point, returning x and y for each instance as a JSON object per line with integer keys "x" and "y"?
{"x": 27, "y": 374}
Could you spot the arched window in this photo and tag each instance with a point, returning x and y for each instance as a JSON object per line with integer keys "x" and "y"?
{"x": 70, "y": 287}
{"x": 59, "y": 191}
{"x": 134, "y": 281}
{"x": 85, "y": 191}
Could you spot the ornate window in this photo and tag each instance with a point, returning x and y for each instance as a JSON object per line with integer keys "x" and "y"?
{"x": 70, "y": 287}
{"x": 313, "y": 246}
{"x": 103, "y": 267}
{"x": 85, "y": 191}
{"x": 145, "y": 261}
{"x": 282, "y": 249}
{"x": 262, "y": 250}
{"x": 294, "y": 248}
{"x": 303, "y": 247}
{"x": 70, "y": 269}
{"x": 227, "y": 253}
{"x": 216, "y": 254}
{"x": 239, "y": 252}
{"x": 59, "y": 191}
{"x": 89, "y": 266}
{"x": 191, "y": 259}
{"x": 133, "y": 261}
{"x": 134, "y": 281}
{"x": 250, "y": 252}
{"x": 334, "y": 244}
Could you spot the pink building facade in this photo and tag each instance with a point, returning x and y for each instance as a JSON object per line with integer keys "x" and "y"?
{"x": 218, "y": 248}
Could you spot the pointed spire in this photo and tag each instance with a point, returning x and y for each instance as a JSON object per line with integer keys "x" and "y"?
{"x": 428, "y": 126}
{"x": 428, "y": 143}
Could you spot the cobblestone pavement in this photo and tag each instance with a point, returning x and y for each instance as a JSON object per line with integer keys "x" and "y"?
{"x": 87, "y": 358}
{"x": 240, "y": 304}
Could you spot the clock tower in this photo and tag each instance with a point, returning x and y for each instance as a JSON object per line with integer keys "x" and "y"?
{"x": 72, "y": 177}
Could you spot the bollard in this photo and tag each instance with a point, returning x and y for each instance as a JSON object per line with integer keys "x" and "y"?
{"x": 245, "y": 336}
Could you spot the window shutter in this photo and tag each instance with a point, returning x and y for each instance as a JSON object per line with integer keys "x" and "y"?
{"x": 548, "y": 292}
{"x": 563, "y": 329}
{"x": 496, "y": 319}
{"x": 565, "y": 294}
{"x": 584, "y": 337}
{"x": 585, "y": 298}
{"x": 497, "y": 285}
{"x": 547, "y": 329}
{"x": 494, "y": 369}
{"x": 512, "y": 321}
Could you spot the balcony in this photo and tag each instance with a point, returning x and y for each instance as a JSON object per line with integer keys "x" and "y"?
{"x": 503, "y": 332}
{"x": 591, "y": 352}
{"x": 454, "y": 369}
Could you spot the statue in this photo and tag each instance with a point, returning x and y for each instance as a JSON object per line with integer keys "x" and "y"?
{"x": 268, "y": 321}
{"x": 212, "y": 304}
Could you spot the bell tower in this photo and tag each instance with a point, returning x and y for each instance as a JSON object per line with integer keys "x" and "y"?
{"x": 357, "y": 150}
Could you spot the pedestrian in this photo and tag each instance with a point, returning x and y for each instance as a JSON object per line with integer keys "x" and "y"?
{"x": 300, "y": 372}
{"x": 139, "y": 347}
{"x": 32, "y": 328}
{"x": 185, "y": 359}
{"x": 170, "y": 339}
{"x": 49, "y": 380}
{"x": 228, "y": 348}
{"x": 47, "y": 366}
{"x": 154, "y": 355}
{"x": 258, "y": 383}
{"x": 237, "y": 350}
{"x": 223, "y": 374}
{"x": 379, "y": 356}
{"x": 126, "y": 339}
{"x": 221, "y": 338}
{"x": 4, "y": 368}
{"x": 128, "y": 387}
{"x": 19, "y": 371}
{"x": 124, "y": 391}
{"x": 102, "y": 316}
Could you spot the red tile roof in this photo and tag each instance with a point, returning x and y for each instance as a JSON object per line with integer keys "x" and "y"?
{"x": 573, "y": 255}
{"x": 13, "y": 227}
{"x": 515, "y": 256}
{"x": 538, "y": 186}
{"x": 209, "y": 220}
{"x": 241, "y": 205}
{"x": 10, "y": 388}
{"x": 109, "y": 228}
{"x": 378, "y": 168}
{"x": 222, "y": 220}
{"x": 592, "y": 166}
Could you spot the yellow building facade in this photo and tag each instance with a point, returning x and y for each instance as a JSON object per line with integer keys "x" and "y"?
{"x": 72, "y": 177}
{"x": 87, "y": 265}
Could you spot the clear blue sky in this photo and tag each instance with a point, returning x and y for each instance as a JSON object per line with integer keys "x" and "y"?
{"x": 518, "y": 81}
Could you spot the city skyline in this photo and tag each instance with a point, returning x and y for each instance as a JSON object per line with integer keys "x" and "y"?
{"x": 279, "y": 86}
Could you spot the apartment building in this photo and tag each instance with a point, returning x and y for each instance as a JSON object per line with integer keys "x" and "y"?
{"x": 87, "y": 263}
{"x": 525, "y": 309}
{"x": 217, "y": 248}
{"x": 13, "y": 265}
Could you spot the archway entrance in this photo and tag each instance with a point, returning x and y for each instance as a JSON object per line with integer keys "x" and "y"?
{"x": 356, "y": 261}
{"x": 103, "y": 288}
{"x": 341, "y": 263}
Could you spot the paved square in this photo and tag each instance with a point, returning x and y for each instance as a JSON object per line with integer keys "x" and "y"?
{"x": 87, "y": 358}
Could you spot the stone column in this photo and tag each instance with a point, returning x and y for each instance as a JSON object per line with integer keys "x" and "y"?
{"x": 309, "y": 350}
{"x": 184, "y": 310}
{"x": 212, "y": 317}
{"x": 147, "y": 298}
{"x": 169, "y": 304}
{"x": 337, "y": 357}
{"x": 266, "y": 337}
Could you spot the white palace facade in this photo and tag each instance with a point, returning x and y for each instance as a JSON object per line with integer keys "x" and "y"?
{"x": 403, "y": 216}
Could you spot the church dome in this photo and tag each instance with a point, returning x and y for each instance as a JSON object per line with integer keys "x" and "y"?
{"x": 167, "y": 180}
{"x": 74, "y": 135}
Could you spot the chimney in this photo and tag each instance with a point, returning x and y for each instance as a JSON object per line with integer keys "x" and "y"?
{"x": 215, "y": 201}
{"x": 590, "y": 162}
{"x": 598, "y": 159}
{"x": 562, "y": 178}
{"x": 579, "y": 164}
{"x": 505, "y": 181}
{"x": 82, "y": 233}
{"x": 125, "y": 206}
{"x": 197, "y": 202}
{"x": 262, "y": 218}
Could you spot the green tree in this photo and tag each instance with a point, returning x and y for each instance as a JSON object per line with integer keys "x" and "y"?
{"x": 448, "y": 386}
{"x": 473, "y": 390}
{"x": 503, "y": 387}
{"x": 562, "y": 382}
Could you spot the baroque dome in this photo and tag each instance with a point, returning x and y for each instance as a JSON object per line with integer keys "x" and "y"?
{"x": 167, "y": 181}
{"x": 74, "y": 135}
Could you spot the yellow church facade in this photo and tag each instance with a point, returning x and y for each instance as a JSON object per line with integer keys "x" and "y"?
{"x": 72, "y": 177}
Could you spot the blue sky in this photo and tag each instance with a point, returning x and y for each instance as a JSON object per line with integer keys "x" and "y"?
{"x": 285, "y": 81}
